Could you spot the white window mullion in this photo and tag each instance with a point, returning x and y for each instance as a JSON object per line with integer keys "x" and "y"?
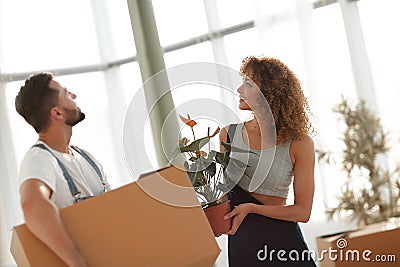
{"x": 10, "y": 211}
{"x": 113, "y": 82}
{"x": 214, "y": 26}
{"x": 358, "y": 53}
{"x": 219, "y": 50}
{"x": 9, "y": 198}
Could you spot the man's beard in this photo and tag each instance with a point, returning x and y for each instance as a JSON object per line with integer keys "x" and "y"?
{"x": 74, "y": 116}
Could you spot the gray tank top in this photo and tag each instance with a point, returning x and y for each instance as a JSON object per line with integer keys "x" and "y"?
{"x": 269, "y": 171}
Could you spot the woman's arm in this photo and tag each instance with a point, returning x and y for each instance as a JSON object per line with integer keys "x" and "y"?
{"x": 303, "y": 155}
{"x": 223, "y": 138}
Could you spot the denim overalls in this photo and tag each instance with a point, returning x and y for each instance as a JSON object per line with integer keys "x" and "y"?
{"x": 72, "y": 187}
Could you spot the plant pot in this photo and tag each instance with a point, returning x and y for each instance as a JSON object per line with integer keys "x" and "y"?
{"x": 215, "y": 217}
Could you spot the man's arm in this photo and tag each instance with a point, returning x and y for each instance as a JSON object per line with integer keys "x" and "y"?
{"x": 43, "y": 220}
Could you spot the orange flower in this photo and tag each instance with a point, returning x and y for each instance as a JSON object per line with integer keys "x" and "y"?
{"x": 188, "y": 121}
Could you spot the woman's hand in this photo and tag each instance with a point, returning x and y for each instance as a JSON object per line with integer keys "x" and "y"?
{"x": 238, "y": 214}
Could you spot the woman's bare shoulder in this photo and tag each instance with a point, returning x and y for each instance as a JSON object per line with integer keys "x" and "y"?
{"x": 223, "y": 133}
{"x": 304, "y": 142}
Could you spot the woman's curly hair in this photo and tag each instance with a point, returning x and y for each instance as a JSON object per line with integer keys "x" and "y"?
{"x": 283, "y": 92}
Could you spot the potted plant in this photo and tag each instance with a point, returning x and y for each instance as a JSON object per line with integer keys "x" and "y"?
{"x": 372, "y": 192}
{"x": 205, "y": 168}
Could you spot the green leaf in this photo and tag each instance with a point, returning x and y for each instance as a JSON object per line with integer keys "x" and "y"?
{"x": 212, "y": 154}
{"x": 200, "y": 180}
{"x": 220, "y": 158}
{"x": 182, "y": 142}
{"x": 203, "y": 163}
{"x": 192, "y": 159}
{"x": 211, "y": 169}
{"x": 226, "y": 146}
{"x": 195, "y": 145}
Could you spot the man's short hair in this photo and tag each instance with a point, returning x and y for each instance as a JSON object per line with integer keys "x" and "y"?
{"x": 35, "y": 100}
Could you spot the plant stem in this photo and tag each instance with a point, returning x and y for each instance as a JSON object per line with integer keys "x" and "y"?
{"x": 194, "y": 136}
{"x": 391, "y": 204}
{"x": 219, "y": 174}
{"x": 209, "y": 143}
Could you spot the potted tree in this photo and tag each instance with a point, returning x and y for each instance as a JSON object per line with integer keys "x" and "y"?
{"x": 371, "y": 193}
{"x": 205, "y": 168}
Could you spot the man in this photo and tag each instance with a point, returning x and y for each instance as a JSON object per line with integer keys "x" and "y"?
{"x": 53, "y": 174}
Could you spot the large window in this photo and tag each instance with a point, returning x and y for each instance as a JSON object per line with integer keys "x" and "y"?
{"x": 335, "y": 80}
{"x": 179, "y": 20}
{"x": 121, "y": 29}
{"x": 47, "y": 34}
{"x": 197, "y": 53}
{"x": 63, "y": 36}
{"x": 378, "y": 20}
{"x": 235, "y": 12}
{"x": 240, "y": 45}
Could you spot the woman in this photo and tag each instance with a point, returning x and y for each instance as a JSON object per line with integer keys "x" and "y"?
{"x": 264, "y": 229}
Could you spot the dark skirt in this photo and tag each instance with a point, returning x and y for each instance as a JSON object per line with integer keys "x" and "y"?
{"x": 264, "y": 241}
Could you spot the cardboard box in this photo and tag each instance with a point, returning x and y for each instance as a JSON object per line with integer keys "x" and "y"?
{"x": 129, "y": 227}
{"x": 372, "y": 245}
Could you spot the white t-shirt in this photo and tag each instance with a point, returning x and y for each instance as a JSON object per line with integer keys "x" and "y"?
{"x": 40, "y": 164}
